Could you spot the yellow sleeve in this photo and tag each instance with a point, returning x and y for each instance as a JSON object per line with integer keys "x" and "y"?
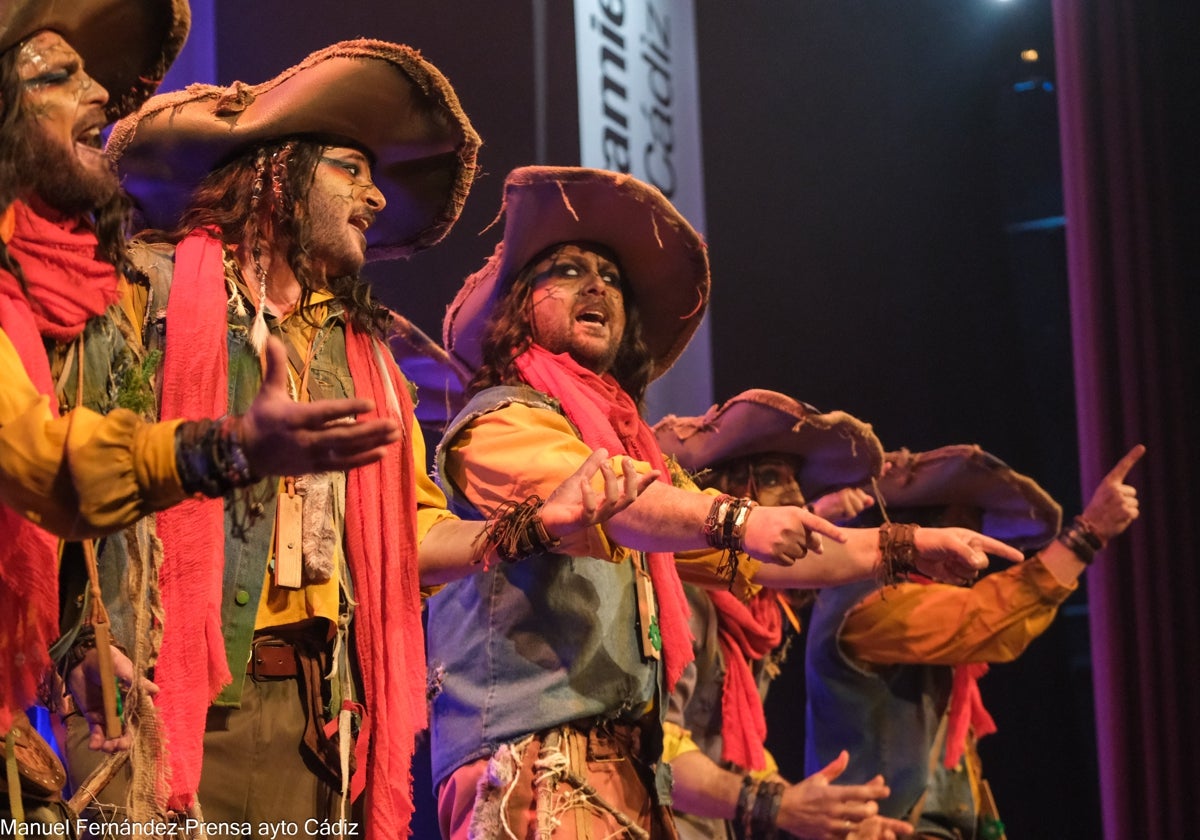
{"x": 431, "y": 501}
{"x": 676, "y": 741}
{"x": 84, "y": 474}
{"x": 518, "y": 451}
{"x": 772, "y": 768}
{"x": 937, "y": 624}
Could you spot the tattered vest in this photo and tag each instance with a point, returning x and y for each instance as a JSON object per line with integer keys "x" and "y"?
{"x": 522, "y": 647}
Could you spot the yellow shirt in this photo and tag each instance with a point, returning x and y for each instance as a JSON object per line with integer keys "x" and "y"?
{"x": 85, "y": 474}
{"x": 677, "y": 741}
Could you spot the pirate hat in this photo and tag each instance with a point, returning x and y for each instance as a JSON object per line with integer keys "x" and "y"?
{"x": 663, "y": 259}
{"x": 126, "y": 45}
{"x": 1015, "y": 508}
{"x": 378, "y": 96}
{"x": 835, "y": 449}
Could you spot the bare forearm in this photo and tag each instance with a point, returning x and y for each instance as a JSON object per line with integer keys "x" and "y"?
{"x": 1062, "y": 562}
{"x": 452, "y": 549}
{"x": 838, "y": 563}
{"x": 702, "y": 788}
{"x": 664, "y": 518}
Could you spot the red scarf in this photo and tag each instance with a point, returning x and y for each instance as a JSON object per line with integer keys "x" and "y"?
{"x": 67, "y": 285}
{"x": 745, "y": 632}
{"x": 192, "y": 668}
{"x": 966, "y": 711}
{"x": 381, "y": 544}
{"x": 380, "y": 525}
{"x": 66, "y": 280}
{"x": 607, "y": 417}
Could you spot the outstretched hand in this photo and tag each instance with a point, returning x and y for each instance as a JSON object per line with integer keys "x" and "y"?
{"x": 83, "y": 681}
{"x": 956, "y": 555}
{"x": 817, "y": 808}
{"x": 284, "y": 437}
{"x": 573, "y": 506}
{"x": 1114, "y": 504}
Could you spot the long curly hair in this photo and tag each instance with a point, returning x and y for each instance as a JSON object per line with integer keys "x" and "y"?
{"x": 509, "y": 331}
{"x": 283, "y": 172}
{"x": 19, "y": 165}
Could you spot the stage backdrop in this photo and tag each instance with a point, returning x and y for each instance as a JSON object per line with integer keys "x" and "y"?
{"x": 639, "y": 112}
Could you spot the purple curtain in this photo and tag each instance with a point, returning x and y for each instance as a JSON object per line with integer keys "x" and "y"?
{"x": 1129, "y": 110}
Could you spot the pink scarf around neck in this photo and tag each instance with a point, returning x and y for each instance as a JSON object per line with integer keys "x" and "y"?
{"x": 607, "y": 417}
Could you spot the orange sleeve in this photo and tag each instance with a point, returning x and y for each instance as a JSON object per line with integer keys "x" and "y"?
{"x": 938, "y": 624}
{"x": 84, "y": 474}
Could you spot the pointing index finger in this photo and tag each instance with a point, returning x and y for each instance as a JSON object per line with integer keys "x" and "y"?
{"x": 1123, "y": 466}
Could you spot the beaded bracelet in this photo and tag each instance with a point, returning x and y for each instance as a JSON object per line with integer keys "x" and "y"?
{"x": 897, "y": 552}
{"x": 1088, "y": 531}
{"x": 725, "y": 530}
{"x": 758, "y": 808}
{"x": 747, "y": 796}
{"x": 516, "y": 531}
{"x": 766, "y": 811}
{"x": 85, "y": 640}
{"x": 211, "y": 458}
{"x": 1081, "y": 538}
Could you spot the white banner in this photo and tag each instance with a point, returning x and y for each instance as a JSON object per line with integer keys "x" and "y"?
{"x": 639, "y": 112}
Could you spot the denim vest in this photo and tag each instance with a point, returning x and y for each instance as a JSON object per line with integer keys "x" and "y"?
{"x": 949, "y": 810}
{"x": 526, "y": 646}
{"x": 886, "y": 716}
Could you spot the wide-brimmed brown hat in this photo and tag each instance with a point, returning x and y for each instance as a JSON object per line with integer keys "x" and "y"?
{"x": 375, "y": 95}
{"x": 663, "y": 259}
{"x": 835, "y": 449}
{"x": 1015, "y": 508}
{"x": 126, "y": 45}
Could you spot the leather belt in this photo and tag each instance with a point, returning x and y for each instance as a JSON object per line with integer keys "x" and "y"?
{"x": 272, "y": 659}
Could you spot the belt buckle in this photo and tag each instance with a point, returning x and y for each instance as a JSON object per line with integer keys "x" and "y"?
{"x": 255, "y": 661}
